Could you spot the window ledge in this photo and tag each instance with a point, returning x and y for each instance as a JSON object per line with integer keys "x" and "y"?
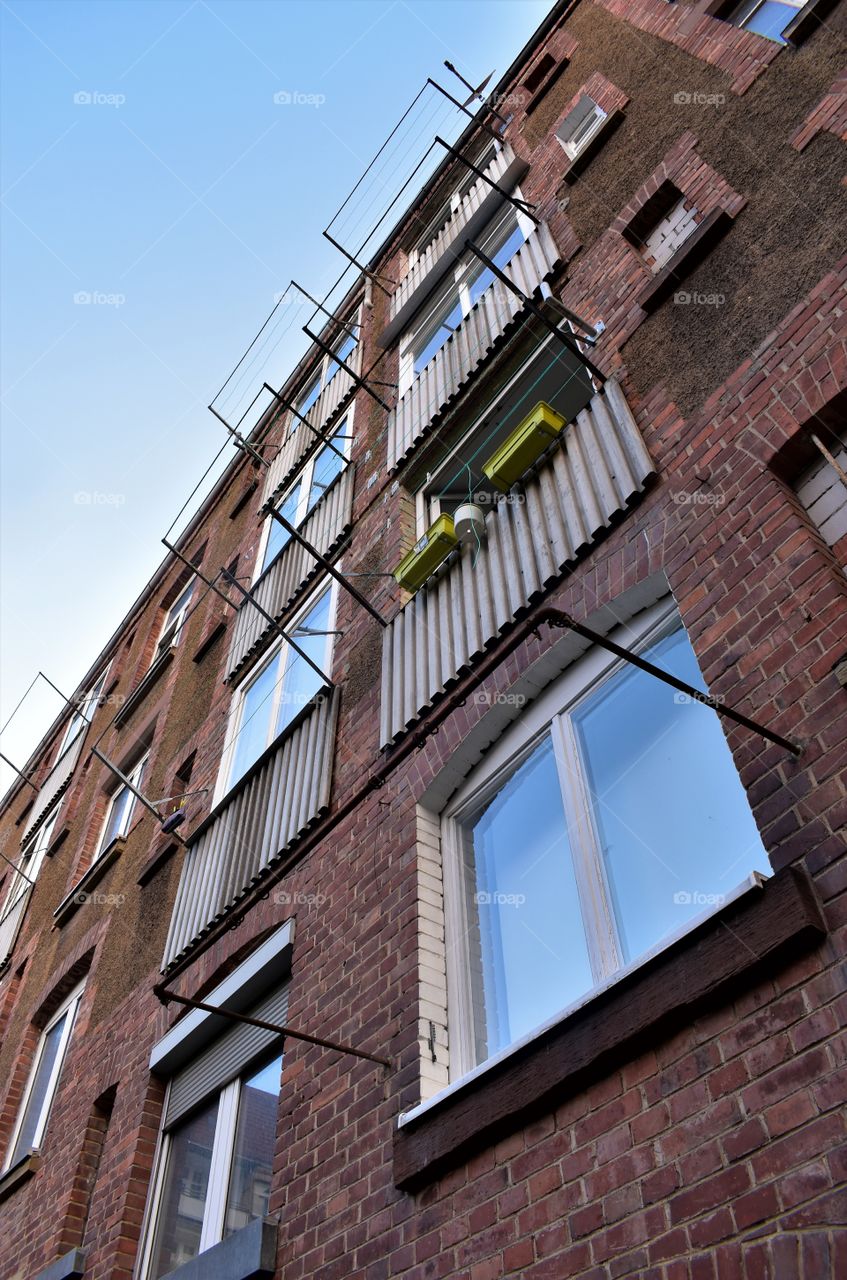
{"x": 687, "y": 256}
{"x": 78, "y": 895}
{"x": 742, "y": 937}
{"x": 161, "y": 855}
{"x": 19, "y": 1174}
{"x": 248, "y": 1254}
{"x": 71, "y": 1266}
{"x": 144, "y": 686}
{"x": 809, "y": 19}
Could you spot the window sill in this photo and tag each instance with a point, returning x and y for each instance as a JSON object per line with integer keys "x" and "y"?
{"x": 71, "y": 1266}
{"x": 78, "y": 895}
{"x": 19, "y": 1174}
{"x": 808, "y": 20}
{"x": 161, "y": 855}
{"x": 144, "y": 686}
{"x": 248, "y": 1254}
{"x": 575, "y": 166}
{"x": 741, "y": 938}
{"x": 687, "y": 256}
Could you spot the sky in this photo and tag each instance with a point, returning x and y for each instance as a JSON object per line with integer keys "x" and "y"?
{"x": 168, "y": 167}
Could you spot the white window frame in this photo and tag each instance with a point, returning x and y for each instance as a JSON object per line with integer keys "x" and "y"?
{"x": 174, "y": 620}
{"x": 83, "y": 713}
{"x": 741, "y": 15}
{"x": 223, "y": 1148}
{"x": 457, "y": 289}
{"x": 134, "y": 777}
{"x": 549, "y": 714}
{"x": 304, "y": 479}
{"x": 277, "y": 653}
{"x": 573, "y": 140}
{"x": 70, "y": 1006}
{"x": 326, "y": 369}
{"x": 29, "y": 862}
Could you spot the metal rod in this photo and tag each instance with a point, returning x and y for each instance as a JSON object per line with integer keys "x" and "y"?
{"x": 322, "y": 560}
{"x": 547, "y": 295}
{"x": 371, "y": 275}
{"x": 299, "y": 416}
{"x": 27, "y": 780}
{"x": 482, "y": 124}
{"x": 167, "y": 996}
{"x": 15, "y": 867}
{"x": 359, "y": 381}
{"x": 139, "y": 795}
{"x": 521, "y": 205}
{"x": 240, "y": 441}
{"x": 351, "y": 329}
{"x": 536, "y": 311}
{"x": 697, "y": 695}
{"x": 228, "y": 577}
{"x": 833, "y": 462}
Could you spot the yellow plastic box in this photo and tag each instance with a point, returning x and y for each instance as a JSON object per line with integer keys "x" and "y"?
{"x": 526, "y": 443}
{"x": 427, "y": 554}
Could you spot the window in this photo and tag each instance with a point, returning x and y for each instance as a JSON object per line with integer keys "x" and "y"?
{"x": 83, "y": 714}
{"x": 121, "y": 808}
{"x": 580, "y": 125}
{"x": 822, "y": 490}
{"x": 766, "y": 17}
{"x": 43, "y": 1082}
{"x": 433, "y": 227}
{"x": 638, "y": 824}
{"x": 174, "y": 621}
{"x": 32, "y": 856}
{"x": 327, "y": 369}
{"x": 306, "y": 492}
{"x": 215, "y": 1169}
{"x": 281, "y": 686}
{"x": 469, "y": 281}
{"x": 669, "y": 234}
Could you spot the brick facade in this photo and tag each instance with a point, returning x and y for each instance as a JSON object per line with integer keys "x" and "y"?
{"x": 711, "y": 1144}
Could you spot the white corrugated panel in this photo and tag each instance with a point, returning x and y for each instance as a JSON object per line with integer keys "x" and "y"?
{"x": 479, "y": 332}
{"x": 251, "y": 830}
{"x": 597, "y": 470}
{"x": 54, "y": 784}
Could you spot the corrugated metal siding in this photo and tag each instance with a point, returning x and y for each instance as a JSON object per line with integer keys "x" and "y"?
{"x": 264, "y": 817}
{"x": 55, "y": 783}
{"x": 599, "y": 468}
{"x": 292, "y": 570}
{"x": 297, "y": 445}
{"x": 824, "y": 494}
{"x": 475, "y": 337}
{"x": 450, "y": 232}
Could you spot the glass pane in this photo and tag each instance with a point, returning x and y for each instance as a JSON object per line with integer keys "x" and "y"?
{"x": 438, "y": 336}
{"x": 277, "y": 535}
{"x": 306, "y": 401}
{"x": 253, "y": 726}
{"x": 771, "y": 19}
{"x": 344, "y": 351}
{"x": 327, "y": 466}
{"x": 252, "y": 1159}
{"x": 528, "y": 951}
{"x": 672, "y": 817}
{"x": 301, "y": 681}
{"x": 184, "y": 1190}
{"x": 38, "y": 1103}
{"x": 119, "y": 816}
{"x": 504, "y": 254}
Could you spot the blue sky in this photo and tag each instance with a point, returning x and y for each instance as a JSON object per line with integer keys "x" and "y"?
{"x": 156, "y": 200}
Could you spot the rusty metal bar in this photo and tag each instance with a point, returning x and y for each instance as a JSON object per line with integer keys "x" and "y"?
{"x": 359, "y": 381}
{"x": 521, "y": 205}
{"x": 248, "y": 595}
{"x": 166, "y": 996}
{"x": 27, "y": 780}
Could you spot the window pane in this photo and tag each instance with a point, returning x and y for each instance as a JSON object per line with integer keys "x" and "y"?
{"x": 327, "y": 466}
{"x": 504, "y": 254}
{"x": 672, "y": 817}
{"x": 252, "y": 1159}
{"x": 184, "y": 1190}
{"x": 306, "y": 401}
{"x": 301, "y": 681}
{"x": 119, "y": 816}
{"x": 445, "y": 327}
{"x": 528, "y": 951}
{"x": 277, "y": 535}
{"x": 771, "y": 19}
{"x": 254, "y": 720}
{"x": 344, "y": 351}
{"x": 39, "y": 1100}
